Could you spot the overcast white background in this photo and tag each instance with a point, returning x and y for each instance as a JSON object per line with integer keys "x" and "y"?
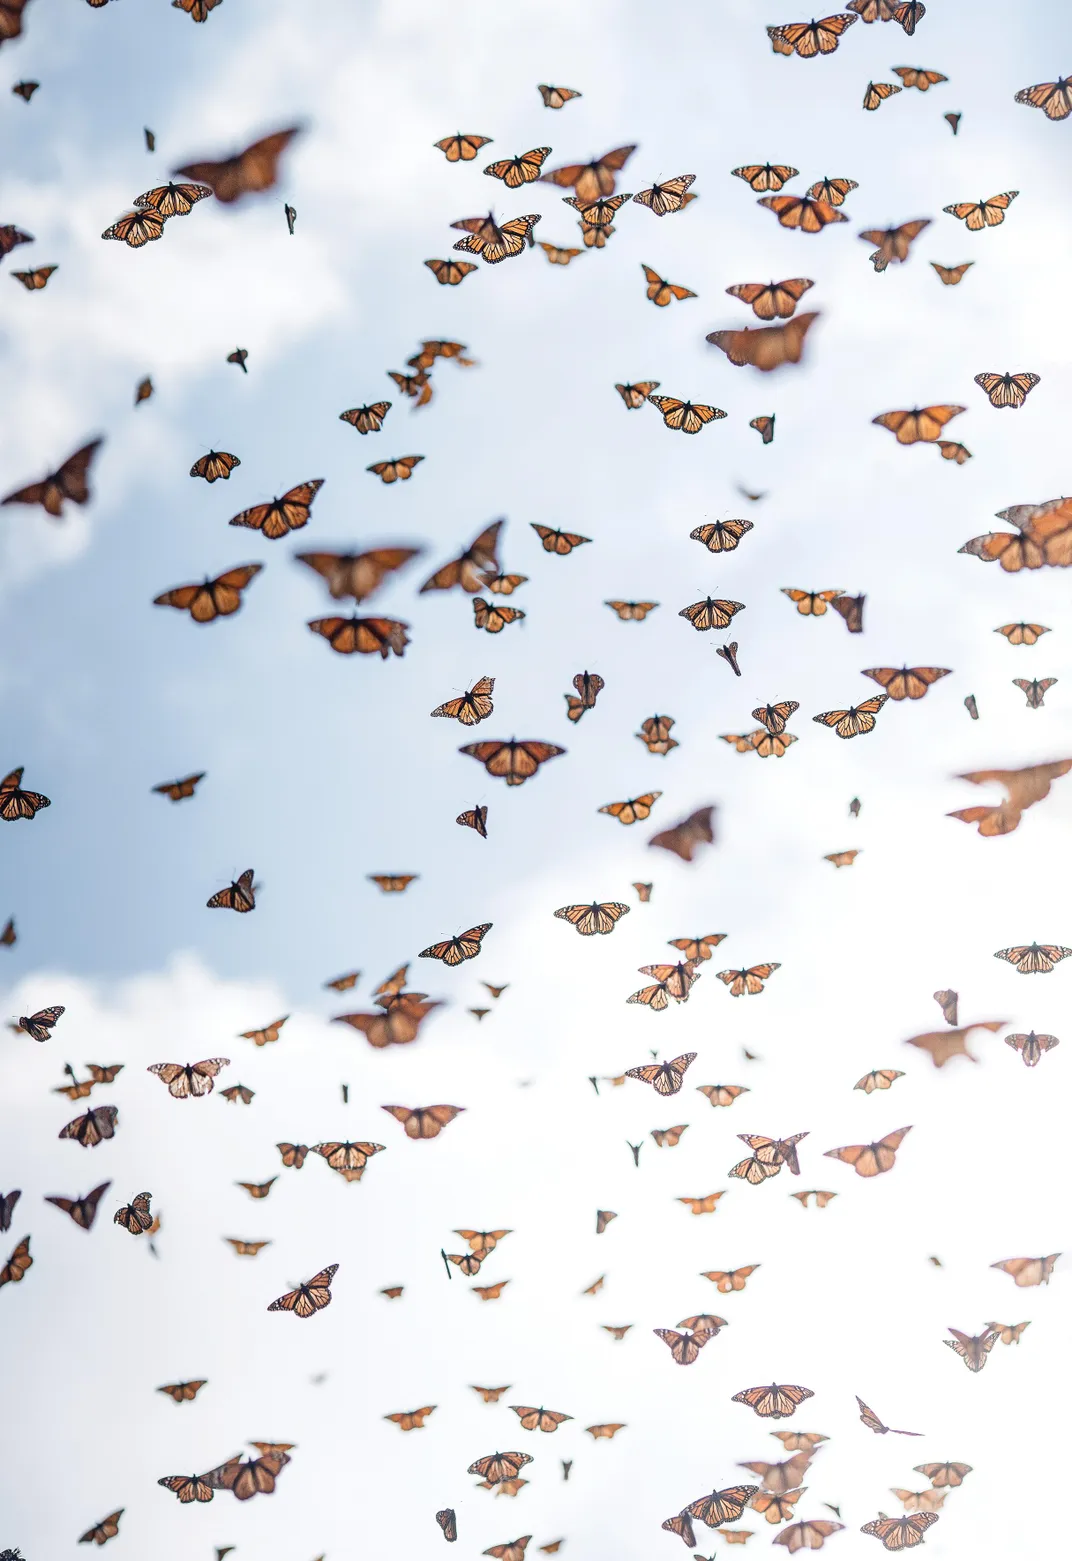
{"x": 321, "y": 769}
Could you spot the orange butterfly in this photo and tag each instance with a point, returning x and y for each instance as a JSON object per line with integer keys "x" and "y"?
{"x": 776, "y": 1505}
{"x": 91, "y": 1129}
{"x": 871, "y": 1159}
{"x": 497, "y": 1467}
{"x": 731, "y": 1279}
{"x": 362, "y": 636}
{"x": 82, "y": 1210}
{"x": 841, "y": 858}
{"x": 556, "y": 97}
{"x": 776, "y": 1402}
{"x": 34, "y": 281}
{"x": 411, "y": 1419}
{"x": 558, "y": 257}
{"x": 469, "y": 568}
{"x": 238, "y": 1093}
{"x": 135, "y": 1216}
{"x": 832, "y": 191}
{"x": 1034, "y": 959}
{"x": 916, "y": 76}
{"x": 293, "y": 1155}
{"x": 1052, "y": 97}
{"x": 136, "y": 228}
{"x": 802, "y": 212}
{"x": 809, "y": 1534}
{"x": 972, "y": 1351}
{"x": 258, "y": 1190}
{"x": 517, "y": 171}
{"x": 893, "y": 243}
{"x": 906, "y": 682}
{"x": 772, "y": 300}
{"x": 705, "y": 1205}
{"x": 492, "y": 1396}
{"x": 900, "y": 1533}
{"x": 856, "y": 720}
{"x": 942, "y": 1475}
{"x": 665, "y": 1077}
{"x": 475, "y": 818}
{"x": 392, "y": 883}
{"x": 190, "y": 1487}
{"x": 471, "y": 707}
{"x": 821, "y": 1198}
{"x": 103, "y": 1531}
{"x": 483, "y": 1240}
{"x": 248, "y": 172}
{"x": 423, "y": 1121}
{"x": 465, "y": 945}
{"x": 683, "y": 839}
{"x": 591, "y": 180}
{"x": 748, "y": 982}
{"x": 722, "y": 1094}
{"x": 238, "y": 896}
{"x": 878, "y": 1078}
{"x": 685, "y": 416}
{"x": 399, "y": 470}
{"x": 1007, "y": 390}
{"x": 635, "y": 396}
{"x": 681, "y": 1525}
{"x": 632, "y": 810}
{"x": 765, "y": 176}
{"x": 1025, "y": 1271}
{"x": 667, "y": 196}
{"x": 269, "y": 1033}
{"x": 461, "y": 147}
{"x": 589, "y": 920}
{"x": 515, "y": 761}
{"x": 20, "y": 1262}
{"x": 484, "y": 237}
{"x": 493, "y": 617}
{"x": 311, "y": 1297}
{"x": 811, "y": 39}
{"x": 875, "y": 95}
{"x": 69, "y": 481}
{"x": 15, "y": 804}
{"x": 768, "y": 347}
{"x": 722, "y": 536}
{"x": 538, "y": 1419}
{"x": 217, "y": 598}
{"x": 632, "y": 612}
{"x": 684, "y": 1347}
{"x": 661, "y": 292}
{"x": 186, "y": 1081}
{"x": 357, "y": 574}
{"x": 977, "y": 215}
{"x": 178, "y": 789}
{"x": 560, "y": 542}
{"x": 448, "y": 273}
{"x": 282, "y": 515}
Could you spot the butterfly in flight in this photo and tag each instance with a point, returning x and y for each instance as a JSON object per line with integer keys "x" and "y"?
{"x": 238, "y": 896}
{"x": 776, "y": 1402}
{"x": 977, "y": 215}
{"x": 515, "y": 761}
{"x": 248, "y": 172}
{"x": 188, "y": 1081}
{"x": 1007, "y": 390}
{"x": 517, "y": 171}
{"x": 282, "y": 515}
{"x": 1031, "y": 1048}
{"x": 1054, "y": 98}
{"x": 135, "y": 1216}
{"x": 556, "y": 97}
{"x": 900, "y": 1533}
{"x": 871, "y": 1159}
{"x": 685, "y": 416}
{"x": 666, "y": 1078}
{"x": 310, "y": 1297}
{"x": 591, "y": 181}
{"x": 465, "y": 945}
{"x": 875, "y": 94}
{"x": 1034, "y": 959}
{"x": 973, "y": 1351}
{"x": 68, "y": 482}
{"x": 772, "y": 300}
{"x": 809, "y": 40}
{"x": 802, "y": 212}
{"x": 217, "y": 598}
{"x": 685, "y": 838}
{"x": 1027, "y": 1271}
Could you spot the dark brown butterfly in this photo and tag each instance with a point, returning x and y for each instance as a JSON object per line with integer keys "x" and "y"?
{"x": 497, "y": 1467}
{"x": 683, "y": 839}
{"x": 248, "y": 172}
{"x": 176, "y": 790}
{"x": 143, "y": 390}
{"x": 183, "y": 1392}
{"x": 363, "y": 636}
{"x": 368, "y": 419}
{"x": 101, "y": 1532}
{"x": 21, "y": 89}
{"x": 239, "y": 356}
{"x": 41, "y": 1024}
{"x": 238, "y": 896}
{"x": 89, "y": 1130}
{"x": 82, "y": 1210}
{"x": 560, "y": 542}
{"x": 681, "y": 1525}
{"x": 135, "y": 1216}
{"x": 238, "y": 1093}
{"x": 591, "y": 180}
{"x": 470, "y": 567}
{"x": 514, "y": 761}
{"x": 282, "y": 515}
{"x": 768, "y": 347}
{"x": 764, "y": 426}
{"x": 217, "y": 598}
{"x": 900, "y": 1533}
{"x": 10, "y": 236}
{"x": 448, "y": 1523}
{"x": 34, "y": 281}
{"x": 729, "y": 653}
{"x": 69, "y": 481}
{"x": 197, "y": 11}
{"x": 293, "y": 1155}
{"x": 588, "y": 686}
{"x": 8, "y": 1201}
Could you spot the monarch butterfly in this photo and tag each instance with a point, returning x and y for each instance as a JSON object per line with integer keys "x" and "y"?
{"x": 310, "y": 1297}
{"x": 856, "y": 720}
{"x": 135, "y": 1216}
{"x": 774, "y": 717}
{"x": 809, "y": 1534}
{"x": 920, "y": 1501}
{"x": 632, "y": 810}
{"x": 597, "y": 215}
{"x": 557, "y": 256}
{"x": 1035, "y": 690}
{"x": 1054, "y": 98}
{"x": 363, "y": 636}
{"x": 635, "y": 396}
{"x": 632, "y": 612}
{"x": 494, "y": 243}
{"x": 448, "y": 273}
{"x": 40, "y": 1025}
{"x": 722, "y": 536}
{"x": 282, "y": 515}
{"x": 942, "y": 1475}
{"x": 269, "y": 1033}
{"x": 893, "y": 243}
{"x": 238, "y": 896}
{"x": 423, "y": 1121}
{"x": 188, "y": 1487}
{"x": 832, "y": 191}
{"x": 1022, "y": 633}
{"x": 1034, "y": 959}
{"x": 705, "y": 1205}
{"x": 472, "y": 707}
{"x": 810, "y": 604}
{"x": 667, "y": 197}
{"x": 684, "y": 838}
{"x": 795, "y": 1441}
{"x": 136, "y": 228}
{"x": 596, "y": 238}
{"x": 547, "y": 1420}
{"x": 841, "y": 858}
{"x": 475, "y": 818}
{"x": 172, "y": 200}
{"x": 684, "y": 1347}
{"x": 103, "y": 1531}
{"x": 711, "y": 613}
{"x": 678, "y": 979}
{"x": 591, "y": 180}
{"x": 685, "y": 416}
{"x": 483, "y": 1240}
{"x": 661, "y": 292}
{"x": 696, "y": 950}
{"x": 143, "y": 390}
{"x": 669, "y": 1138}
{"x": 748, "y": 982}
{"x": 249, "y": 1477}
{"x": 1007, "y": 390}
{"x": 1026, "y": 1271}
{"x": 503, "y": 585}
{"x": 681, "y": 1525}
{"x": 598, "y": 917}
{"x": 765, "y": 176}
{"x": 186, "y": 1081}
{"x": 973, "y": 1351}
{"x": 767, "y": 347}
{"x": 89, "y": 1130}
{"x": 977, "y": 215}
{"x": 258, "y": 1190}
{"x": 516, "y": 171}
{"x": 1031, "y": 1048}
{"x": 197, "y": 11}
{"x": 461, "y": 147}
{"x": 878, "y": 1078}
{"x": 921, "y": 423}
{"x": 82, "y": 1210}
{"x": 951, "y": 451}
{"x": 69, "y": 481}
{"x": 556, "y": 97}
{"x": 821, "y": 1198}
{"x": 399, "y": 470}
{"x": 468, "y": 569}
{"x": 776, "y": 1505}
{"x": 810, "y": 39}
{"x": 657, "y": 998}
{"x": 514, "y": 761}
{"x": 238, "y": 1093}
{"x": 775, "y": 1151}
{"x": 466, "y": 945}
{"x": 34, "y": 281}
{"x": 492, "y": 617}
{"x": 666, "y": 1078}
{"x": 906, "y": 683}
{"x": 10, "y": 236}
{"x": 176, "y": 790}
{"x": 217, "y": 598}
{"x": 876, "y": 94}
{"x": 721, "y": 1094}
{"x": 871, "y": 1159}
{"x": 909, "y": 14}
{"x": 802, "y": 212}
{"x": 777, "y": 1402}
{"x": 392, "y": 883}
{"x": 497, "y": 1467}
{"x": 411, "y": 1419}
{"x": 293, "y": 1155}
{"x": 588, "y": 686}
{"x": 900, "y": 1533}
{"x": 468, "y": 1263}
{"x": 248, "y": 172}
{"x": 18, "y": 1264}
{"x": 22, "y": 89}
{"x": 764, "y": 426}
{"x": 916, "y": 76}
{"x": 239, "y": 356}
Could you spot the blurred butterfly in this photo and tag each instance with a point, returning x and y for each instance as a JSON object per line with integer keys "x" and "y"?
{"x": 772, "y": 300}
{"x": 258, "y": 1190}
{"x": 766, "y": 348}
{"x": 362, "y": 636}
{"x": 503, "y": 585}
{"x": 538, "y": 1420}
{"x": 942, "y": 1475}
{"x": 496, "y": 1467}
{"x": 908, "y": 682}
{"x": 821, "y": 1198}
{"x": 238, "y": 896}
{"x": 515, "y": 761}
{"x": 69, "y": 481}
{"x": 1026, "y": 1271}
{"x": 951, "y": 275}
{"x": 7, "y": 1206}
{"x": 186, "y": 1081}
{"x": 635, "y": 396}
{"x": 832, "y": 191}
{"x": 1008, "y": 1333}
{"x": 246, "y": 1478}
{"x": 469, "y": 568}
{"x": 448, "y": 273}
{"x": 595, "y": 918}
{"x": 893, "y": 243}
{"x": 475, "y": 818}
{"x": 183, "y": 1392}
{"x": 916, "y": 76}
{"x": 293, "y": 1155}
{"x": 972, "y": 1351}
{"x": 683, "y": 416}
{"x": 178, "y": 789}
{"x": 632, "y": 612}
{"x": 921, "y": 423}
{"x": 248, "y": 172}
{"x": 851, "y": 608}
{"x": 197, "y": 11}
{"x": 920, "y": 1501}
{"x": 34, "y": 281}
{"x": 217, "y": 598}
{"x": 392, "y": 883}
{"x": 492, "y": 1396}
{"x": 461, "y": 148}
{"x": 238, "y": 1093}
{"x": 900, "y": 1533}
{"x": 1007, "y": 390}
{"x": 632, "y": 810}
{"x": 143, "y": 391}
{"x": 448, "y": 1523}
{"x": 856, "y": 720}
{"x": 1031, "y": 1048}
{"x": 765, "y": 176}
{"x": 41, "y": 1024}
{"x": 811, "y": 604}
{"x": 776, "y": 1402}
{"x": 269, "y": 1033}
{"x": 697, "y": 949}
{"x": 776, "y": 1505}
{"x": 871, "y": 1159}
{"x": 494, "y": 243}
{"x": 591, "y": 180}
{"x": 556, "y": 97}
{"x": 841, "y": 858}
{"x": 282, "y": 515}
{"x": 683, "y": 839}
{"x": 764, "y": 426}
{"x": 1054, "y": 98}
{"x": 684, "y": 1347}
{"x": 951, "y": 451}
{"x": 721, "y": 536}
{"x": 876, "y": 94}
{"x": 423, "y": 1121}
{"x": 666, "y": 1078}
{"x": 722, "y": 1094}
{"x": 643, "y": 894}
{"x": 411, "y": 1419}
{"x": 90, "y": 1129}
{"x": 560, "y": 542}
{"x": 748, "y": 982}
{"x": 399, "y": 470}
{"x": 1034, "y": 959}
{"x": 1035, "y": 690}
{"x": 291, "y": 216}
{"x": 704, "y": 1205}
{"x": 878, "y": 1078}
{"x": 23, "y": 89}
{"x": 977, "y": 215}
{"x": 18, "y": 1264}
{"x": 661, "y": 292}
{"x": 82, "y": 1210}
{"x": 619, "y": 1332}
{"x": 775, "y": 1152}
{"x": 802, "y": 212}
{"x": 310, "y": 1297}
{"x": 467, "y": 1263}
{"x": 471, "y": 707}
{"x": 809, "y": 1534}
{"x": 558, "y": 257}
{"x": 466, "y": 945}
{"x": 794, "y": 1441}
{"x": 103, "y": 1531}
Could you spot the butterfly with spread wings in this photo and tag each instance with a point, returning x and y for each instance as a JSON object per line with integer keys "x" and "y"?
{"x": 494, "y": 243}
{"x": 1007, "y": 390}
{"x": 776, "y": 1402}
{"x": 973, "y": 1351}
{"x": 591, "y": 181}
{"x": 189, "y": 1081}
{"x": 213, "y": 598}
{"x": 248, "y": 172}
{"x": 68, "y": 482}
{"x": 905, "y": 682}
{"x": 661, "y": 292}
{"x": 514, "y": 761}
{"x": 856, "y": 720}
{"x": 802, "y": 212}
{"x": 772, "y": 300}
{"x": 1054, "y": 98}
{"x": 472, "y": 707}
{"x": 809, "y": 40}
{"x": 238, "y": 896}
{"x": 517, "y": 171}
{"x": 977, "y": 215}
{"x": 666, "y": 1078}
{"x": 748, "y": 982}
{"x": 685, "y": 417}
{"x": 463, "y": 946}
{"x": 18, "y": 1264}
{"x": 900, "y": 1533}
{"x": 1034, "y": 959}
{"x": 766, "y": 348}
{"x": 282, "y": 515}
{"x": 871, "y": 1159}
{"x": 310, "y": 1297}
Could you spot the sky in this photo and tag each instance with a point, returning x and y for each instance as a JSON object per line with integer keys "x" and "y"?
{"x": 321, "y": 770}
